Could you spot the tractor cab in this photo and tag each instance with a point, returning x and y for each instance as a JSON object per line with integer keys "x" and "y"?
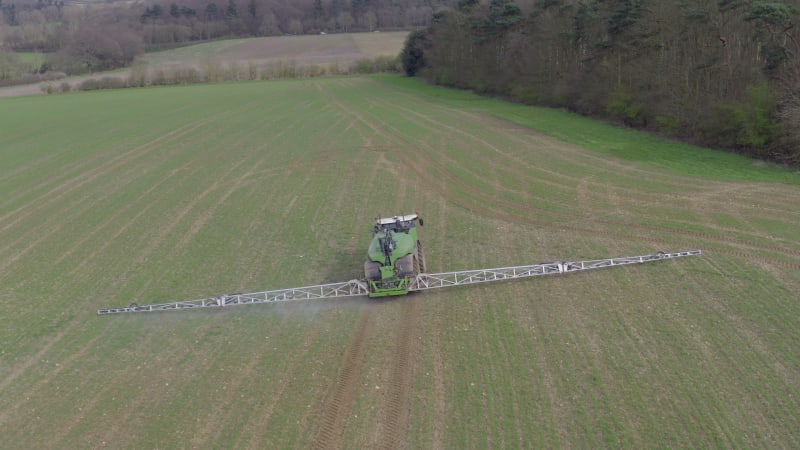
{"x": 399, "y": 224}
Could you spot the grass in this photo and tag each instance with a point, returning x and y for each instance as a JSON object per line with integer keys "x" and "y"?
{"x": 195, "y": 52}
{"x": 344, "y": 48}
{"x": 33, "y": 58}
{"x": 619, "y": 142}
{"x": 187, "y": 192}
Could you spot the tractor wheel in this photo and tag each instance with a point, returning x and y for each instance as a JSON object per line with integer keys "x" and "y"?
{"x": 372, "y": 270}
{"x": 420, "y": 258}
{"x": 405, "y": 265}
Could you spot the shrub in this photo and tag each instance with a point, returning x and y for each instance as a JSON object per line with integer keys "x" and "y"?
{"x": 335, "y": 69}
{"x": 234, "y": 72}
{"x": 252, "y": 70}
{"x": 213, "y": 71}
{"x": 93, "y": 84}
{"x": 668, "y": 125}
{"x": 187, "y": 75}
{"x": 377, "y": 64}
{"x": 757, "y": 118}
{"x": 413, "y": 53}
{"x": 363, "y": 65}
{"x": 623, "y": 107}
{"x": 315, "y": 70}
{"x": 525, "y": 93}
{"x": 138, "y": 76}
{"x": 159, "y": 78}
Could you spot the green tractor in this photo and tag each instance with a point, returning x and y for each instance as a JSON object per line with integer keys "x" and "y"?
{"x": 394, "y": 257}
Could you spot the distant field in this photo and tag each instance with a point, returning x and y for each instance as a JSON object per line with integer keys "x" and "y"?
{"x": 343, "y": 49}
{"x": 149, "y": 195}
{"x": 31, "y": 57}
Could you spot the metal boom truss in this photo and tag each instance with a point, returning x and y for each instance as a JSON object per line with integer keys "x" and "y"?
{"x": 439, "y": 280}
{"x": 421, "y": 282}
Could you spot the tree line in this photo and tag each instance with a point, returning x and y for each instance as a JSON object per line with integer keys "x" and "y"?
{"x": 723, "y": 73}
{"x": 89, "y": 37}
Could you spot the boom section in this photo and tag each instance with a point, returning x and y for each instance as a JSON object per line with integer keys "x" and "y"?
{"x": 425, "y": 281}
{"x": 420, "y": 282}
{"x": 347, "y": 289}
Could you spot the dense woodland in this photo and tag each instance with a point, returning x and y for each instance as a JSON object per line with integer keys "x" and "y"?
{"x": 718, "y": 72}
{"x": 95, "y": 36}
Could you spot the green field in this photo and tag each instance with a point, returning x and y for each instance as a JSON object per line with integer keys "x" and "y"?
{"x": 339, "y": 48}
{"x": 32, "y": 58}
{"x": 150, "y": 195}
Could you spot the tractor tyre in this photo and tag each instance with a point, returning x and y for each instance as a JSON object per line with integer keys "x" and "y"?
{"x": 405, "y": 265}
{"x": 420, "y": 258}
{"x": 372, "y": 270}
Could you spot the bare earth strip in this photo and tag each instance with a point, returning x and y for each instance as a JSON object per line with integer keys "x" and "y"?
{"x": 337, "y": 410}
{"x": 395, "y": 423}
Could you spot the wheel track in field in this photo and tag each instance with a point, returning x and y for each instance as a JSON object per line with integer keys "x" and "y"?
{"x": 69, "y": 171}
{"x": 112, "y": 218}
{"x": 725, "y": 190}
{"x": 233, "y": 183}
{"x": 422, "y": 173}
{"x": 227, "y": 183}
{"x": 699, "y": 235}
{"x": 618, "y": 167}
{"x": 251, "y": 436}
{"x": 63, "y": 364}
{"x": 517, "y": 166}
{"x": 442, "y": 169}
{"x": 60, "y": 192}
{"x": 564, "y": 146}
{"x": 31, "y": 360}
{"x": 87, "y": 404}
{"x": 145, "y": 396}
{"x": 420, "y": 161}
{"x": 73, "y": 184}
{"x": 337, "y": 411}
{"x": 421, "y": 155}
{"x": 209, "y": 433}
{"x": 395, "y": 422}
{"x": 727, "y": 251}
{"x": 65, "y": 172}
